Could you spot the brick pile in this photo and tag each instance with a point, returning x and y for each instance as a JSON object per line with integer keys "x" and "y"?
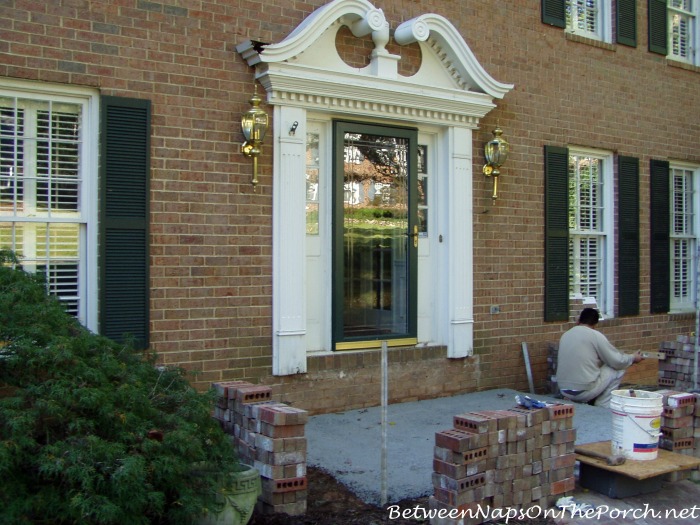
{"x": 677, "y": 370}
{"x": 493, "y": 459}
{"x": 271, "y": 437}
{"x": 677, "y": 422}
{"x": 680, "y": 428}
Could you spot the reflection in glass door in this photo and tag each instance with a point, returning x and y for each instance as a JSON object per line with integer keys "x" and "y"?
{"x": 375, "y": 235}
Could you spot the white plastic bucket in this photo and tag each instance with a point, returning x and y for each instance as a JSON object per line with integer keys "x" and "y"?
{"x": 636, "y": 423}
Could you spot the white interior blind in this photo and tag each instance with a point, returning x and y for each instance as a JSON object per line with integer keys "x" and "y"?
{"x": 40, "y": 187}
{"x": 586, "y": 226}
{"x": 682, "y": 239}
{"x": 582, "y": 16}
{"x": 681, "y": 21}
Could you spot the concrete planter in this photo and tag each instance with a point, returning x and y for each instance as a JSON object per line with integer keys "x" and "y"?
{"x": 238, "y": 498}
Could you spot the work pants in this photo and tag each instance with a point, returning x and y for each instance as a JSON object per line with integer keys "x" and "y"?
{"x": 608, "y": 380}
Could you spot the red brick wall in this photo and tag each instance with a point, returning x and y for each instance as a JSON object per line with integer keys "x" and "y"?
{"x": 211, "y": 235}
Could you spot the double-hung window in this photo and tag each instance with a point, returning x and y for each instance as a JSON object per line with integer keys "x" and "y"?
{"x": 592, "y": 18}
{"x": 674, "y": 225}
{"x": 681, "y": 29}
{"x": 584, "y": 17}
{"x": 588, "y": 227}
{"x": 673, "y": 29}
{"x": 683, "y": 241}
{"x": 94, "y": 259}
{"x": 47, "y": 158}
{"x": 579, "y": 230}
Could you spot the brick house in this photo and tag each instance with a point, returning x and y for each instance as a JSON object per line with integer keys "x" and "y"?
{"x": 123, "y": 180}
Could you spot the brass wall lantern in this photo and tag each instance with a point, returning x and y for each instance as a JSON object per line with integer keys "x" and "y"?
{"x": 254, "y": 124}
{"x": 496, "y": 153}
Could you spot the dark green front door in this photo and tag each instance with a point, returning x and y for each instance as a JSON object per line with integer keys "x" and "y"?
{"x": 375, "y": 235}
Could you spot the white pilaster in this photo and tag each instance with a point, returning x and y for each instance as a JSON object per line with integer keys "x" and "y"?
{"x": 460, "y": 259}
{"x": 288, "y": 241}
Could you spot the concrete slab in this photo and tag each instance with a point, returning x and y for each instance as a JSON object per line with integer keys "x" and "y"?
{"x": 348, "y": 445}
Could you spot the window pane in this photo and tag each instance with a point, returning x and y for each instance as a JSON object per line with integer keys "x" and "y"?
{"x": 582, "y": 15}
{"x": 375, "y": 218}
{"x": 585, "y": 193}
{"x": 312, "y": 181}
{"x": 684, "y": 5}
{"x": 51, "y": 250}
{"x": 40, "y": 156}
{"x": 57, "y": 158}
{"x": 682, "y": 265}
{"x": 679, "y": 35}
{"x": 586, "y": 264}
{"x": 423, "y": 179}
{"x": 11, "y": 156}
{"x": 682, "y": 202}
{"x": 681, "y": 20}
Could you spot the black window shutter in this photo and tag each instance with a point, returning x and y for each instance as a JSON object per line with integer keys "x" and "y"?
{"x": 660, "y": 266}
{"x": 627, "y": 22}
{"x": 628, "y": 231}
{"x": 658, "y": 27}
{"x": 554, "y": 13}
{"x": 124, "y": 207}
{"x": 556, "y": 264}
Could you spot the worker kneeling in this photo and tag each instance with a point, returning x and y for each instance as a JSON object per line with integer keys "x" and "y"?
{"x": 589, "y": 367}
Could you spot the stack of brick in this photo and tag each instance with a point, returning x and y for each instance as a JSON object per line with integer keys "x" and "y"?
{"x": 271, "y": 437}
{"x": 677, "y": 371}
{"x": 677, "y": 422}
{"x": 677, "y": 374}
{"x": 680, "y": 425}
{"x": 495, "y": 459}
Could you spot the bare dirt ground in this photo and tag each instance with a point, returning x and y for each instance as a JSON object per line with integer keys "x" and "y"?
{"x": 331, "y": 503}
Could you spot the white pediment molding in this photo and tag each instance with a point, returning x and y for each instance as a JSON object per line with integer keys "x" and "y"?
{"x": 305, "y": 69}
{"x": 359, "y": 15}
{"x": 452, "y": 50}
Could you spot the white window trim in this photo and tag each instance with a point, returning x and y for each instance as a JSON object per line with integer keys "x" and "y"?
{"x": 604, "y": 32}
{"x": 607, "y": 300}
{"x": 89, "y": 100}
{"x": 675, "y": 306}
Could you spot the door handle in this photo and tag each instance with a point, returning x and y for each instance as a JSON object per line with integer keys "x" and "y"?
{"x": 414, "y": 235}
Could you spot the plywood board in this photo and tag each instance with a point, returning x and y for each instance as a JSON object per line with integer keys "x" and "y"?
{"x": 665, "y": 462}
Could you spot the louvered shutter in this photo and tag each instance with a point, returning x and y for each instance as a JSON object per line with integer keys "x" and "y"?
{"x": 627, "y": 22}
{"x": 658, "y": 27}
{"x": 124, "y": 207}
{"x": 628, "y": 231}
{"x": 554, "y": 13}
{"x": 660, "y": 265}
{"x": 556, "y": 264}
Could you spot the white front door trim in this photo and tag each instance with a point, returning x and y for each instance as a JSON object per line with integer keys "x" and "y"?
{"x": 450, "y": 90}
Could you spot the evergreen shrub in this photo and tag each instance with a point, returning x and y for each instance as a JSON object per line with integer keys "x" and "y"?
{"x": 92, "y": 431}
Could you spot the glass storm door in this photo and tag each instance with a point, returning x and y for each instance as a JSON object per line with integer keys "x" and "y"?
{"x": 375, "y": 235}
